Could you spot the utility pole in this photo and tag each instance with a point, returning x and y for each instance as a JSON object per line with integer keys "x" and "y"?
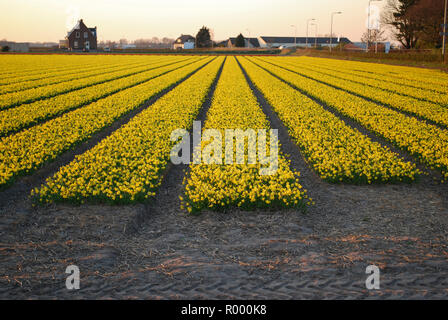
{"x": 331, "y": 32}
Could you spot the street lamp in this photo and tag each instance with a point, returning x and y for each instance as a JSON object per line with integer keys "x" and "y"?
{"x": 315, "y": 36}
{"x": 331, "y": 32}
{"x": 295, "y": 35}
{"x": 368, "y": 26}
{"x": 307, "y": 25}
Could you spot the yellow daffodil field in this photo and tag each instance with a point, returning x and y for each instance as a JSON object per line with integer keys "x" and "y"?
{"x": 427, "y": 142}
{"x": 214, "y": 185}
{"x": 128, "y": 165}
{"x": 104, "y": 125}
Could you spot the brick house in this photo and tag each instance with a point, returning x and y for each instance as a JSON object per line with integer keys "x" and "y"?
{"x": 82, "y": 38}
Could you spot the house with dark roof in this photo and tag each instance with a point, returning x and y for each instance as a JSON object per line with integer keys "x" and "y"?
{"x": 81, "y": 38}
{"x": 285, "y": 42}
{"x": 248, "y": 43}
{"x": 185, "y": 41}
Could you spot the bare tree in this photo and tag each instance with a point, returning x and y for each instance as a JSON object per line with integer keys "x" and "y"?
{"x": 375, "y": 36}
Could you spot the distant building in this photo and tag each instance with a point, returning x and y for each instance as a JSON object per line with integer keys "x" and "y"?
{"x": 287, "y": 42}
{"x": 248, "y": 43}
{"x": 361, "y": 46}
{"x": 126, "y": 46}
{"x": 185, "y": 41}
{"x": 63, "y": 44}
{"x": 82, "y": 38}
{"x": 15, "y": 46}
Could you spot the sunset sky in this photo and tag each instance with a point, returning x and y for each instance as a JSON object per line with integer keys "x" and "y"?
{"x": 49, "y": 20}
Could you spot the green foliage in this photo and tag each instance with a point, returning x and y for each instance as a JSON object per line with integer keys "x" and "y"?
{"x": 203, "y": 39}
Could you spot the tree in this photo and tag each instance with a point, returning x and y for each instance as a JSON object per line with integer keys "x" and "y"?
{"x": 375, "y": 36}
{"x": 430, "y": 13}
{"x": 405, "y": 25}
{"x": 239, "y": 41}
{"x": 415, "y": 23}
{"x": 5, "y": 49}
{"x": 203, "y": 39}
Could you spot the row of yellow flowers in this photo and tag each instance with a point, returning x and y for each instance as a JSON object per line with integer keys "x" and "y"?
{"x": 29, "y": 149}
{"x": 381, "y": 91}
{"x": 218, "y": 186}
{"x": 428, "y": 142}
{"x": 419, "y": 77}
{"x": 14, "y": 119}
{"x": 423, "y": 109}
{"x": 372, "y": 77}
{"x": 128, "y": 165}
{"x": 18, "y": 68}
{"x": 16, "y": 98}
{"x": 18, "y": 75}
{"x": 25, "y": 66}
{"x": 337, "y": 152}
{"x": 52, "y": 79}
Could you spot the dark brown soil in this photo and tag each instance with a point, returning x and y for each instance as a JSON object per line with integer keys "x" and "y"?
{"x": 157, "y": 251}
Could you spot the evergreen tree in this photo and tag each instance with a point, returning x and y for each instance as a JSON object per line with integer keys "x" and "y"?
{"x": 239, "y": 41}
{"x": 203, "y": 39}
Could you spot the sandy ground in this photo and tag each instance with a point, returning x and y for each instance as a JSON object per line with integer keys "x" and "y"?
{"x": 156, "y": 251}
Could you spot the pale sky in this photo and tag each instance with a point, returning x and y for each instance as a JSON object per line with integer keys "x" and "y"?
{"x": 49, "y": 20}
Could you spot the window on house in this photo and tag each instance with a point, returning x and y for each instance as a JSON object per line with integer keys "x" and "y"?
{"x": 76, "y": 44}
{"x": 77, "y": 35}
{"x": 86, "y": 35}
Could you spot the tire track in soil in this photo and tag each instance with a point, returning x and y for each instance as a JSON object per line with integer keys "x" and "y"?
{"x": 22, "y": 186}
{"x": 428, "y": 174}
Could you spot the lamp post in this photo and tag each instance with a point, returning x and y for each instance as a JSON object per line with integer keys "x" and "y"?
{"x": 307, "y": 25}
{"x": 295, "y": 35}
{"x": 331, "y": 30}
{"x": 368, "y": 25}
{"x": 315, "y": 36}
